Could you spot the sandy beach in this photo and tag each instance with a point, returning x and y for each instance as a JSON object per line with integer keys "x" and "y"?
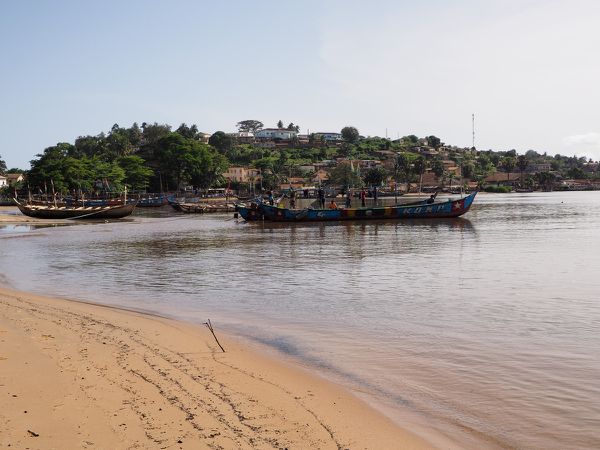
{"x": 77, "y": 375}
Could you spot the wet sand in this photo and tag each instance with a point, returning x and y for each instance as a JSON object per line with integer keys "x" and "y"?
{"x": 77, "y": 375}
{"x": 10, "y": 215}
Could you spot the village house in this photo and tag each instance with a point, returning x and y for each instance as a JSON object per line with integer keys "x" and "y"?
{"x": 3, "y": 181}
{"x": 276, "y": 134}
{"x": 243, "y": 137}
{"x": 307, "y": 168}
{"x": 294, "y": 183}
{"x": 320, "y": 176}
{"x": 451, "y": 168}
{"x": 502, "y": 179}
{"x": 329, "y": 137}
{"x": 242, "y": 174}
{"x": 580, "y": 184}
{"x": 14, "y": 178}
{"x": 204, "y": 137}
{"x": 303, "y": 139}
{"x": 537, "y": 168}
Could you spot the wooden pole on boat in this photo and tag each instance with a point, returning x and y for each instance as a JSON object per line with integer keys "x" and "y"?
{"x": 210, "y": 327}
{"x": 53, "y": 192}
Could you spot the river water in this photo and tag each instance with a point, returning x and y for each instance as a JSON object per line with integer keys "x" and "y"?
{"x": 487, "y": 327}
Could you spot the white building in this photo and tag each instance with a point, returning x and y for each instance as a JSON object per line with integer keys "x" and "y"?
{"x": 3, "y": 181}
{"x": 329, "y": 137}
{"x": 276, "y": 133}
{"x": 242, "y": 136}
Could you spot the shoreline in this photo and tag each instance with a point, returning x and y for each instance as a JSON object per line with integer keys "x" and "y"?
{"x": 82, "y": 375}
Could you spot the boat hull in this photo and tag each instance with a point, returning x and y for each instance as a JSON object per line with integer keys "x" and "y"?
{"x": 88, "y": 212}
{"x": 423, "y": 210}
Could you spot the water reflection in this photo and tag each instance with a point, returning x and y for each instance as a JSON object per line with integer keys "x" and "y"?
{"x": 488, "y": 323}
{"x": 23, "y": 228}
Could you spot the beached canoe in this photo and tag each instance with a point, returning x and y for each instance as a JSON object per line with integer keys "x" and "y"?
{"x": 49, "y": 211}
{"x": 421, "y": 210}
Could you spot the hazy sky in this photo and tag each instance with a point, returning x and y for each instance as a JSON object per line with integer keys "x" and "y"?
{"x": 528, "y": 69}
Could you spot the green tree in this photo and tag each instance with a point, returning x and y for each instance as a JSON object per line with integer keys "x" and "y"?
{"x": 152, "y": 133}
{"x": 508, "y": 164}
{"x": 137, "y": 174}
{"x": 403, "y": 168}
{"x": 350, "y": 134}
{"x": 546, "y": 180}
{"x": 221, "y": 141}
{"x": 438, "y": 168}
{"x": 411, "y": 139}
{"x": 576, "y": 173}
{"x": 90, "y": 145}
{"x": 52, "y": 164}
{"x": 135, "y": 135}
{"x": 468, "y": 170}
{"x": 343, "y": 175}
{"x": 522, "y": 164}
{"x": 280, "y": 124}
{"x": 117, "y": 143}
{"x": 2, "y": 166}
{"x": 292, "y": 127}
{"x": 419, "y": 167}
{"x": 188, "y": 132}
{"x": 433, "y": 141}
{"x": 374, "y": 176}
{"x": 251, "y": 126}
{"x": 204, "y": 166}
{"x": 346, "y": 150}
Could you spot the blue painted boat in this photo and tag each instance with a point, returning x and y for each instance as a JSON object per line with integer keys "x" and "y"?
{"x": 421, "y": 210}
{"x": 153, "y": 200}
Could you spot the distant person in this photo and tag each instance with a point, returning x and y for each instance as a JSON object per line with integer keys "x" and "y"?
{"x": 333, "y": 204}
{"x": 375, "y": 194}
{"x": 321, "y": 195}
{"x": 292, "y": 199}
{"x": 348, "y": 199}
{"x": 431, "y": 199}
{"x": 363, "y": 198}
{"x": 271, "y": 199}
{"x": 305, "y": 193}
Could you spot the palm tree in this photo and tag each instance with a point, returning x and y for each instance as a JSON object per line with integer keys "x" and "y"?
{"x": 508, "y": 164}
{"x": 402, "y": 166}
{"x": 419, "y": 166}
{"x": 522, "y": 164}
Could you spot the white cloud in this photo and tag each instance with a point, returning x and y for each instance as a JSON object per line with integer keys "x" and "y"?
{"x": 587, "y": 144}
{"x": 523, "y": 67}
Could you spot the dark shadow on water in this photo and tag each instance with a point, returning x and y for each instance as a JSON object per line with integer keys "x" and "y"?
{"x": 458, "y": 223}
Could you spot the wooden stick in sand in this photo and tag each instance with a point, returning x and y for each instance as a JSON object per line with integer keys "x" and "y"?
{"x": 210, "y": 327}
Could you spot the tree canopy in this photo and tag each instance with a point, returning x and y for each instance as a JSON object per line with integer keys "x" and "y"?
{"x": 350, "y": 134}
{"x": 251, "y": 126}
{"x": 221, "y": 141}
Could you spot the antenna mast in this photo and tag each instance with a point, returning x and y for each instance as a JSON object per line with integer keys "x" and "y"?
{"x": 473, "y": 121}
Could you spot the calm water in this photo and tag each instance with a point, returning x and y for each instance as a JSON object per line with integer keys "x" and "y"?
{"x": 487, "y": 327}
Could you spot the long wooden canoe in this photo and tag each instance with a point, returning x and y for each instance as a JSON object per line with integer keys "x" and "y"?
{"x": 49, "y": 211}
{"x": 421, "y": 210}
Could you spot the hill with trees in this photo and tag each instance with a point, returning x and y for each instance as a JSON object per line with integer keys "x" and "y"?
{"x": 153, "y": 157}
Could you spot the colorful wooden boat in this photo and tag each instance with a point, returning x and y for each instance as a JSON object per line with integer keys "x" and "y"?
{"x": 50, "y": 211}
{"x": 421, "y": 210}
